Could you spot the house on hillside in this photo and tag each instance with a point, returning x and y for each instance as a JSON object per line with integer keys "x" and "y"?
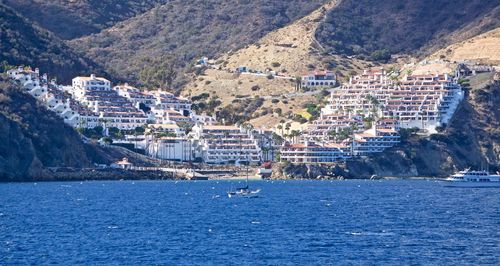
{"x": 319, "y": 79}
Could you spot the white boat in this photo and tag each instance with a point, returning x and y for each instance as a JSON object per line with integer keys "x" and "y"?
{"x": 470, "y": 178}
{"x": 243, "y": 192}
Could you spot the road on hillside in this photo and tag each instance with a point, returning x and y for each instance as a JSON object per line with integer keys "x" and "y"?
{"x": 297, "y": 94}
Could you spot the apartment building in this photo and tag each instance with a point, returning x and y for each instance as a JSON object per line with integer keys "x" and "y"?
{"x": 226, "y": 144}
{"x": 422, "y": 101}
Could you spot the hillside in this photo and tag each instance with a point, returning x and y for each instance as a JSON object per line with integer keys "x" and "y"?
{"x": 23, "y": 43}
{"x": 31, "y": 138}
{"x": 187, "y": 31}
{"x": 73, "y": 19}
{"x": 290, "y": 51}
{"x": 378, "y": 29}
{"x": 483, "y": 48}
{"x": 272, "y": 99}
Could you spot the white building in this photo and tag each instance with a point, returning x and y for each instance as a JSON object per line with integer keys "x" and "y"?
{"x": 83, "y": 85}
{"x": 319, "y": 79}
{"x": 165, "y": 116}
{"x": 135, "y": 95}
{"x": 322, "y": 128}
{"x": 171, "y": 148}
{"x": 171, "y": 128}
{"x": 374, "y": 140}
{"x": 423, "y": 101}
{"x": 168, "y": 101}
{"x": 311, "y": 152}
{"x": 110, "y": 109}
{"x": 203, "y": 119}
{"x": 226, "y": 144}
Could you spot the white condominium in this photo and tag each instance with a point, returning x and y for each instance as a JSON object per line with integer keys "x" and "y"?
{"x": 83, "y": 85}
{"x": 384, "y": 134}
{"x": 331, "y": 124}
{"x": 111, "y": 109}
{"x": 227, "y": 144}
{"x": 423, "y": 101}
{"x": 312, "y": 152}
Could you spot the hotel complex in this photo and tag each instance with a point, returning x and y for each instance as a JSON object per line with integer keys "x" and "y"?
{"x": 365, "y": 115}
{"x": 362, "y": 117}
{"x": 227, "y": 144}
{"x": 421, "y": 101}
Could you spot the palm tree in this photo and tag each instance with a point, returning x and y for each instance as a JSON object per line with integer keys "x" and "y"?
{"x": 295, "y": 134}
{"x": 333, "y": 134}
{"x": 280, "y": 127}
{"x": 248, "y": 127}
{"x": 282, "y": 121}
{"x": 265, "y": 153}
{"x": 298, "y": 83}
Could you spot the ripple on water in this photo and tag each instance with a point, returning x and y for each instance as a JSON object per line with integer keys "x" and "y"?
{"x": 293, "y": 222}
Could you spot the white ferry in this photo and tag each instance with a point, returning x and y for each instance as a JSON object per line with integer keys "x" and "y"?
{"x": 469, "y": 178}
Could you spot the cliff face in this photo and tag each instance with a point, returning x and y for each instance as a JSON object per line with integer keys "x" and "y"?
{"x": 33, "y": 138}
{"x": 472, "y": 139}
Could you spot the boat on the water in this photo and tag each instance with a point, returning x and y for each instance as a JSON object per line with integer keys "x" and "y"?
{"x": 243, "y": 192}
{"x": 471, "y": 178}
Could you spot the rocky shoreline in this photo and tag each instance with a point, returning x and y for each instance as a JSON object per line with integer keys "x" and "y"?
{"x": 69, "y": 174}
{"x": 281, "y": 172}
{"x": 344, "y": 170}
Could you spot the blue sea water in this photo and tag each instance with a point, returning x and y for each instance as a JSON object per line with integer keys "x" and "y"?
{"x": 290, "y": 223}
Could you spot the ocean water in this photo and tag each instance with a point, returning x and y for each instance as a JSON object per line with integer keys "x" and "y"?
{"x": 290, "y": 223}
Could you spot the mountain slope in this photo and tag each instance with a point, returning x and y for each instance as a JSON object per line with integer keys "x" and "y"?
{"x": 188, "y": 30}
{"x": 484, "y": 48}
{"x": 291, "y": 50}
{"x": 293, "y": 47}
{"x": 72, "y": 19}
{"x": 22, "y": 43}
{"x": 363, "y": 27}
{"x": 32, "y": 138}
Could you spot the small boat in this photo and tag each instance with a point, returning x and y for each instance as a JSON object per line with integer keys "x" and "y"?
{"x": 244, "y": 191}
{"x": 470, "y": 178}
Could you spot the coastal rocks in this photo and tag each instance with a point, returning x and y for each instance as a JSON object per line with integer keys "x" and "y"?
{"x": 69, "y": 174}
{"x": 306, "y": 171}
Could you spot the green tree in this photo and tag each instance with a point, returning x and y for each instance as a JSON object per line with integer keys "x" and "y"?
{"x": 158, "y": 73}
{"x": 185, "y": 126}
{"x": 380, "y": 55}
{"x": 139, "y": 130}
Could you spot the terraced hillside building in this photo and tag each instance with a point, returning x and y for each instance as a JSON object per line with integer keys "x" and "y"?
{"x": 226, "y": 144}
{"x": 422, "y": 101}
{"x": 112, "y": 109}
{"x": 53, "y": 97}
{"x": 314, "y": 152}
